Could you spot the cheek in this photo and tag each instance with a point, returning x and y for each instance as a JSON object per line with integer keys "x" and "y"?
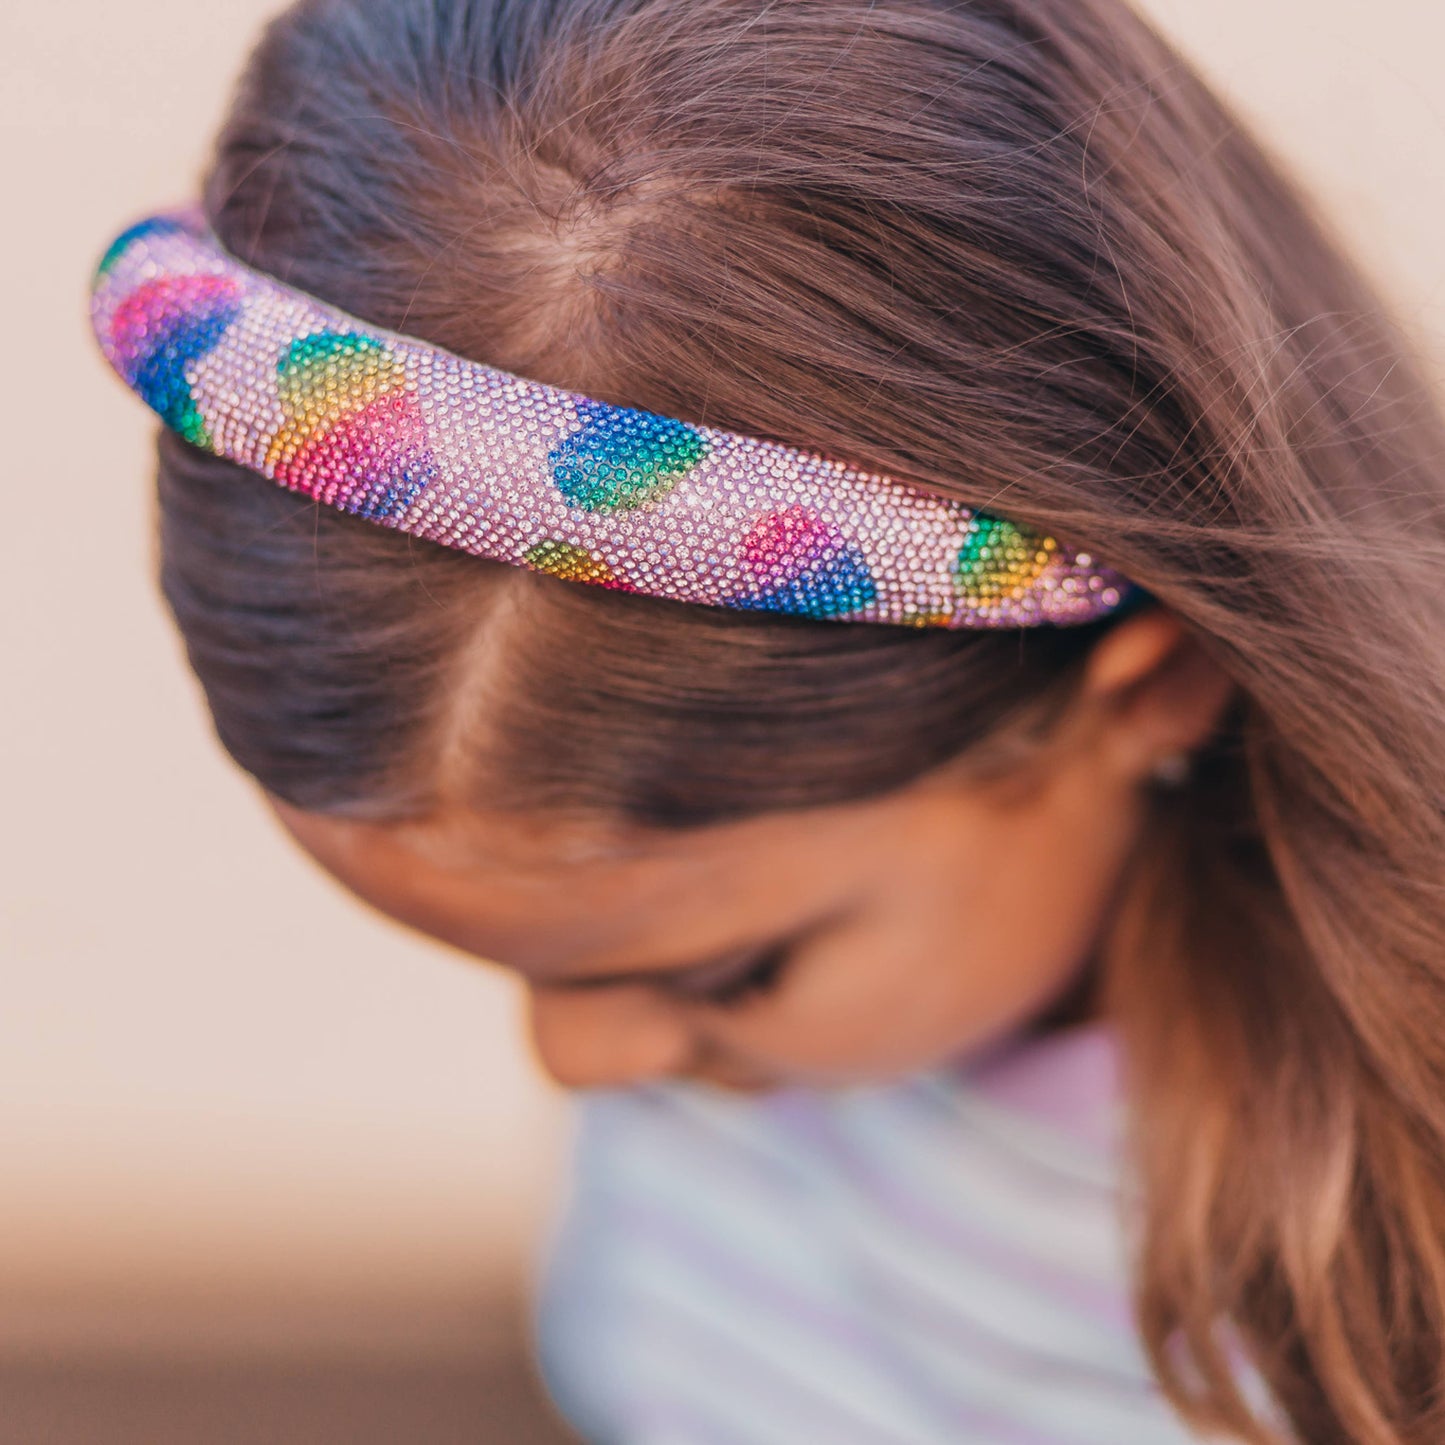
{"x": 1039, "y": 899}
{"x": 909, "y": 1002}
{"x": 943, "y": 964}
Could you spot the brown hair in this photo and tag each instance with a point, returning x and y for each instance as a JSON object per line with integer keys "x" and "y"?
{"x": 1013, "y": 250}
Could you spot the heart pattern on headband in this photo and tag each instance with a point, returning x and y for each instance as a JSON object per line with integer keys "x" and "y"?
{"x": 798, "y": 562}
{"x": 620, "y": 458}
{"x": 164, "y": 327}
{"x": 573, "y": 564}
{"x": 407, "y": 435}
{"x": 354, "y": 434}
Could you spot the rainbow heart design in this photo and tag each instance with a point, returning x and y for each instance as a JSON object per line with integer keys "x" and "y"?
{"x": 163, "y": 328}
{"x": 573, "y": 564}
{"x": 621, "y": 458}
{"x": 999, "y": 562}
{"x": 355, "y": 436}
{"x": 799, "y": 562}
{"x": 141, "y": 231}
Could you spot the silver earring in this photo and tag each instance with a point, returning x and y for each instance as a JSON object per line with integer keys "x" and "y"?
{"x": 1172, "y": 770}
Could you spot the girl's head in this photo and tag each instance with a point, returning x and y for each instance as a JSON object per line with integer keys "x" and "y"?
{"x": 1011, "y": 250}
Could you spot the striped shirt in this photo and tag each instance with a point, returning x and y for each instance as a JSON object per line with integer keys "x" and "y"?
{"x": 937, "y": 1260}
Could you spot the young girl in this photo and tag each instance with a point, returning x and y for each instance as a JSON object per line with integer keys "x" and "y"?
{"x": 1025, "y": 968}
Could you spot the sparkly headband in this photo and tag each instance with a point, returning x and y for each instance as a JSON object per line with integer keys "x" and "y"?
{"x": 412, "y": 437}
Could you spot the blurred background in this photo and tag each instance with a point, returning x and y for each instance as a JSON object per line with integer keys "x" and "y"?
{"x": 272, "y": 1169}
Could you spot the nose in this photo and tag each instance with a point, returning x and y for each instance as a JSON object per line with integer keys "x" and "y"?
{"x": 608, "y": 1038}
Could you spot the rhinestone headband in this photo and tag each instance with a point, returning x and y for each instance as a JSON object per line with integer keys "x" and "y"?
{"x": 412, "y": 437}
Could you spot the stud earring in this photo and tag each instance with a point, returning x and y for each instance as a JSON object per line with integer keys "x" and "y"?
{"x": 1172, "y": 770}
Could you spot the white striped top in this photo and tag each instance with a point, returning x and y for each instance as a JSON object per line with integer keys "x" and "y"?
{"x": 937, "y": 1260}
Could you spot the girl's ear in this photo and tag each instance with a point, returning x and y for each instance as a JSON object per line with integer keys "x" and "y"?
{"x": 1159, "y": 692}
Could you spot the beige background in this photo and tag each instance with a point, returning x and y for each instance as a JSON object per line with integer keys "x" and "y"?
{"x": 221, "y": 1081}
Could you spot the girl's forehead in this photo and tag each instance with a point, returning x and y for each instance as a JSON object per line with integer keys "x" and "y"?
{"x": 535, "y": 849}
{"x": 540, "y": 896}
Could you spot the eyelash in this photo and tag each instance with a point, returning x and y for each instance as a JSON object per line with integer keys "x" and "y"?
{"x": 762, "y": 978}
